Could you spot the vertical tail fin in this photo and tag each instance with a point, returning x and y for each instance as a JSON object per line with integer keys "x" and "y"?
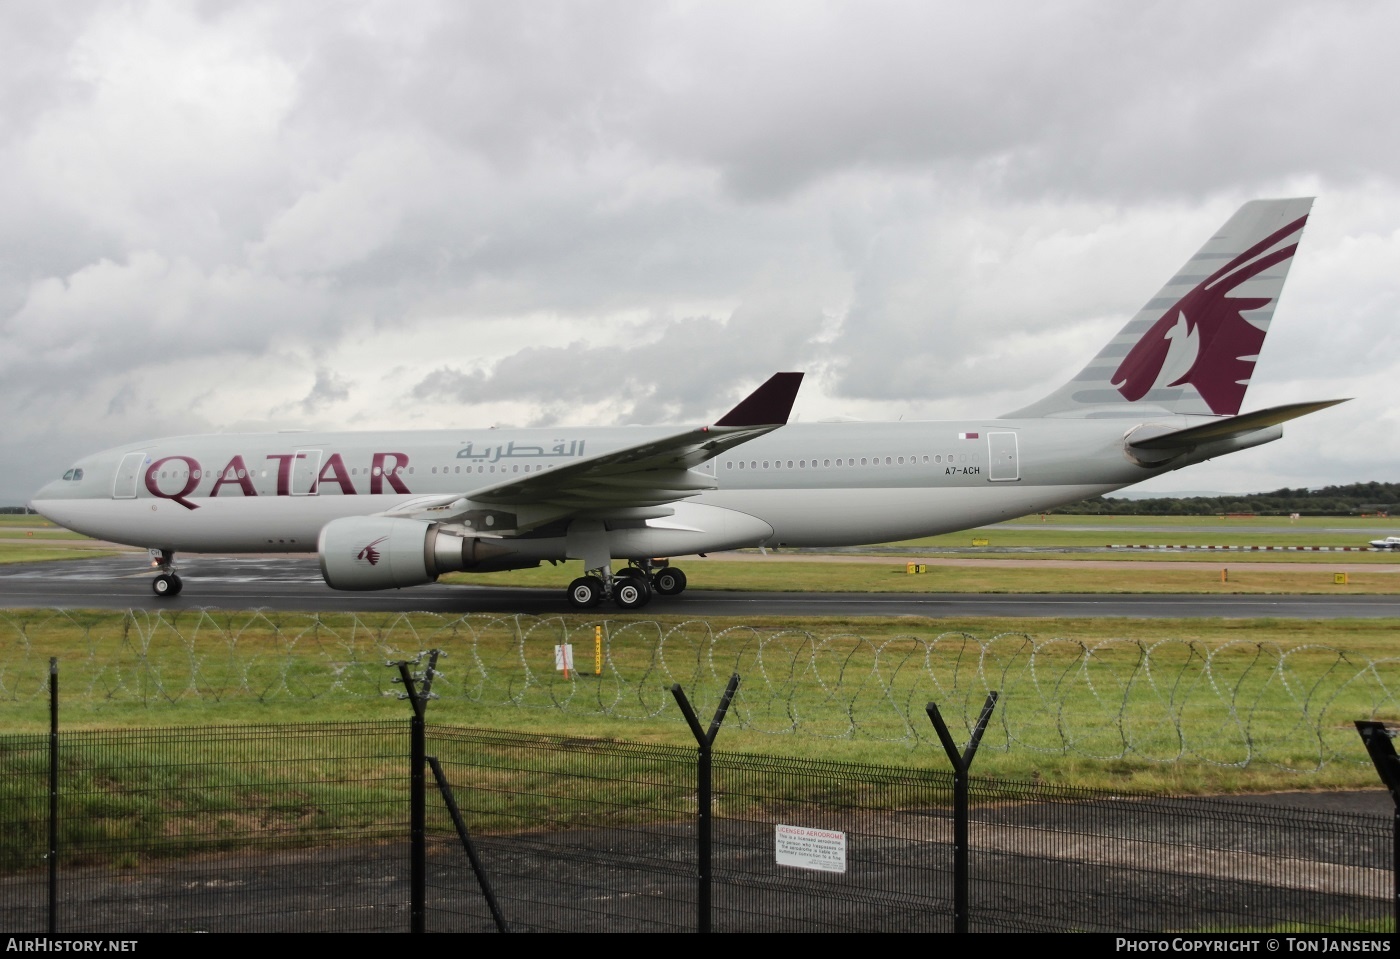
{"x": 1193, "y": 347}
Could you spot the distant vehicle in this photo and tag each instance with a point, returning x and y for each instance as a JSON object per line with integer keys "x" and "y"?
{"x": 1390, "y": 542}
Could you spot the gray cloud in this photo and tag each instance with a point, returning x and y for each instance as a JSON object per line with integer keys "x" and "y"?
{"x": 329, "y": 388}
{"x": 644, "y": 209}
{"x": 677, "y": 370}
{"x": 1078, "y": 99}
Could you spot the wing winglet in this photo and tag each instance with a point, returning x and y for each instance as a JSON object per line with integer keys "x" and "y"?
{"x": 768, "y": 405}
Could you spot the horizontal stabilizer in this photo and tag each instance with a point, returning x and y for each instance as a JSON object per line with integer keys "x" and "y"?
{"x": 769, "y": 405}
{"x": 1230, "y": 426}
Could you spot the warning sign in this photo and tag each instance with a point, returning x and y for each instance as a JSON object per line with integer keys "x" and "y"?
{"x": 564, "y": 657}
{"x": 801, "y": 848}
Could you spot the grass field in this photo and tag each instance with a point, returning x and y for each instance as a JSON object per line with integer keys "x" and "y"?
{"x": 24, "y": 519}
{"x": 38, "y": 552}
{"x": 1144, "y": 707}
{"x": 1070, "y": 532}
{"x": 33, "y": 539}
{"x": 1162, "y": 706}
{"x": 23, "y": 553}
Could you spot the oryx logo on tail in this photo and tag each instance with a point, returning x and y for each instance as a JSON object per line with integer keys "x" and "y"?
{"x": 1204, "y": 338}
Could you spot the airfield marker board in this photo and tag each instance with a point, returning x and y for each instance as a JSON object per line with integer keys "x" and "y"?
{"x": 564, "y": 658}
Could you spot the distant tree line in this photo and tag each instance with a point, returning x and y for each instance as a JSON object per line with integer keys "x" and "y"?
{"x": 21, "y": 510}
{"x": 1350, "y": 500}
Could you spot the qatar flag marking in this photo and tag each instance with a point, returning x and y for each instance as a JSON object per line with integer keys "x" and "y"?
{"x": 968, "y": 436}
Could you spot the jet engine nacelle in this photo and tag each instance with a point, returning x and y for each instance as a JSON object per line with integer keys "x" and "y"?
{"x": 380, "y": 552}
{"x": 383, "y": 552}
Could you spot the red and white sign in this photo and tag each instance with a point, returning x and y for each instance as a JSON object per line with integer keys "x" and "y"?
{"x": 800, "y": 847}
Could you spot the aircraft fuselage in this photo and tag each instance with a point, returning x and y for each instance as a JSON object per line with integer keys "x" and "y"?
{"x": 825, "y": 484}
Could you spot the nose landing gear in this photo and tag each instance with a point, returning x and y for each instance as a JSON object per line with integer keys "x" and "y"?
{"x": 166, "y": 584}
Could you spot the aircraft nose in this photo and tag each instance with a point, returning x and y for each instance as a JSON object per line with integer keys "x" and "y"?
{"x": 47, "y": 502}
{"x": 44, "y": 494}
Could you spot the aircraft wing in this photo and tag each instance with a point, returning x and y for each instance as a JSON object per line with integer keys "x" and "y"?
{"x": 631, "y": 482}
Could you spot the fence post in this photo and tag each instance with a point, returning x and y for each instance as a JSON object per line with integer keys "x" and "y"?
{"x": 460, "y": 824}
{"x": 417, "y": 789}
{"x": 1378, "y": 740}
{"x": 704, "y": 740}
{"x": 961, "y": 763}
{"x": 53, "y": 795}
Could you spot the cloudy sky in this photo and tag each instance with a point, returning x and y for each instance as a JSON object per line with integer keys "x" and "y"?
{"x": 234, "y": 216}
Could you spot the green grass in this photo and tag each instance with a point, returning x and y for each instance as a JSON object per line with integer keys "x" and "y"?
{"x": 30, "y": 520}
{"x": 24, "y": 553}
{"x": 22, "y": 536}
{"x": 1069, "y": 519}
{"x": 33, "y": 539}
{"x": 199, "y": 670}
{"x": 158, "y": 795}
{"x": 1279, "y": 696}
{"x": 1031, "y": 531}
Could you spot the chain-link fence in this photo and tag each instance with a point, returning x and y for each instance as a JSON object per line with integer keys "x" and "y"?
{"x": 307, "y": 827}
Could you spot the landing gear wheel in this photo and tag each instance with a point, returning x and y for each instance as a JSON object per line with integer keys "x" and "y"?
{"x": 631, "y": 592}
{"x": 586, "y": 592}
{"x": 668, "y": 581}
{"x": 167, "y": 585}
{"x": 629, "y": 572}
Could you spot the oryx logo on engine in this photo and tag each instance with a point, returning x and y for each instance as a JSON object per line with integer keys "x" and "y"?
{"x": 369, "y": 554}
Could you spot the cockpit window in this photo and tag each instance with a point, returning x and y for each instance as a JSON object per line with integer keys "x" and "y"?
{"x": 77, "y": 475}
{"x": 73, "y": 475}
{"x": 68, "y": 475}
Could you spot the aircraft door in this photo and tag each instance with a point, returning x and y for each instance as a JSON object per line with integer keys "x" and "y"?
{"x": 124, "y": 483}
{"x": 1004, "y": 465}
{"x": 305, "y": 468}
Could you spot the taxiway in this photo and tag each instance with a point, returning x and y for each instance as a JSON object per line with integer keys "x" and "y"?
{"x": 294, "y": 583}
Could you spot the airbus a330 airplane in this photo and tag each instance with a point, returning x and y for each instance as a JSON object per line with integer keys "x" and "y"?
{"x": 395, "y": 509}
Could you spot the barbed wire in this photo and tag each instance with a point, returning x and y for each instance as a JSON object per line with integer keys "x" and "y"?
{"x": 1237, "y": 703}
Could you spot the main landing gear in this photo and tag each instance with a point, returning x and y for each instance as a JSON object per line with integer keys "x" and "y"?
{"x": 166, "y": 584}
{"x": 630, "y": 588}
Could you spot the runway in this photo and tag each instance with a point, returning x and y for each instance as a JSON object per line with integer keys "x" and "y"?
{"x": 294, "y": 584}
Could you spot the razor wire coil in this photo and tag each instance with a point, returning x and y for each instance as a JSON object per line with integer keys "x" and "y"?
{"x": 1237, "y": 703}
